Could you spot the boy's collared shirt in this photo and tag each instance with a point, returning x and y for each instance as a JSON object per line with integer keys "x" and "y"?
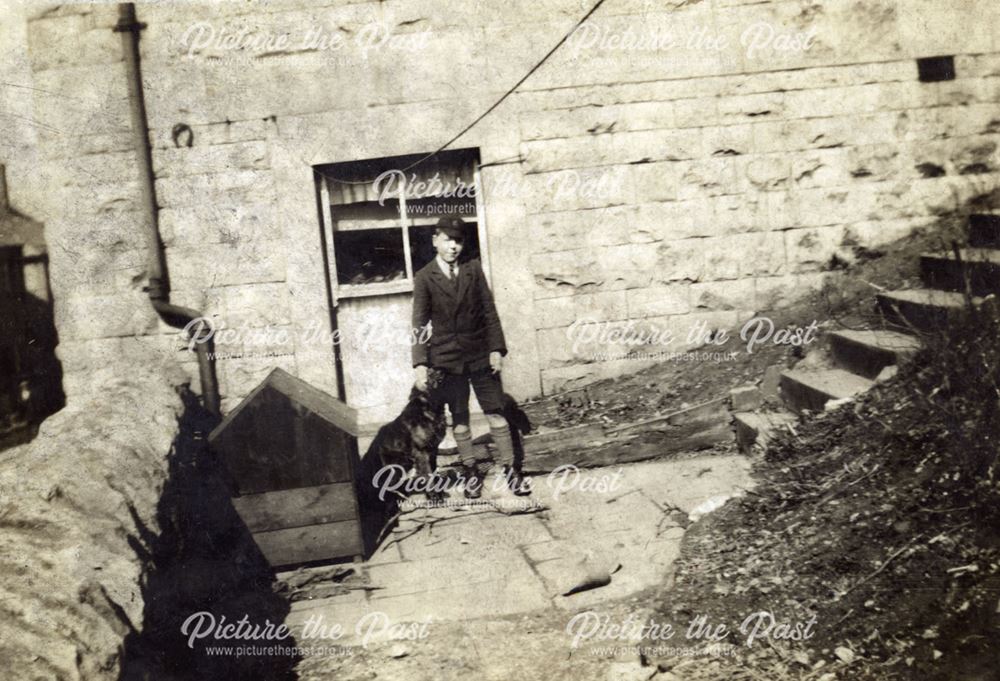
{"x": 445, "y": 267}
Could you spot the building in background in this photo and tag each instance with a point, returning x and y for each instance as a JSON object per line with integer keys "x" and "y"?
{"x": 670, "y": 164}
{"x": 30, "y": 376}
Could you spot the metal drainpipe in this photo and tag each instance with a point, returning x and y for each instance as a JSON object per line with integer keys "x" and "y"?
{"x": 159, "y": 283}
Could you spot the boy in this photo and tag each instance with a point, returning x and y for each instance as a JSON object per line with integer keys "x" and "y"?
{"x": 466, "y": 343}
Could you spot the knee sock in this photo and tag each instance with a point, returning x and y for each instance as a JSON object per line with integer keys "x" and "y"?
{"x": 504, "y": 444}
{"x": 466, "y": 454}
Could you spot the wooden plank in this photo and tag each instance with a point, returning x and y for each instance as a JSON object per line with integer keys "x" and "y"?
{"x": 317, "y": 401}
{"x": 324, "y": 453}
{"x": 713, "y": 410}
{"x": 313, "y": 542}
{"x": 574, "y": 436}
{"x": 270, "y": 462}
{"x": 652, "y": 445}
{"x": 297, "y": 507}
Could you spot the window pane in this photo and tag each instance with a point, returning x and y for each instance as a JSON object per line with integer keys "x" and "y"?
{"x": 368, "y": 256}
{"x": 432, "y": 209}
{"x": 367, "y": 215}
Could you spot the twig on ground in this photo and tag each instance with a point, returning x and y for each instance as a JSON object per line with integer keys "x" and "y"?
{"x": 846, "y": 615}
{"x": 388, "y": 526}
{"x": 491, "y": 507}
{"x": 613, "y": 499}
{"x": 840, "y": 490}
{"x": 881, "y": 567}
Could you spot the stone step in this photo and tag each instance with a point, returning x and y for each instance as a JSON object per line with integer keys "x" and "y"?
{"x": 813, "y": 389}
{"x": 866, "y": 353}
{"x": 923, "y": 309}
{"x": 981, "y": 266}
{"x": 757, "y": 428}
{"x": 984, "y": 231}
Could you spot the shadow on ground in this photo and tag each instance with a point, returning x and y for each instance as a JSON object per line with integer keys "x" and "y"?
{"x": 204, "y": 560}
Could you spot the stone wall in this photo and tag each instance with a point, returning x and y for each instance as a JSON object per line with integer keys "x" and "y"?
{"x": 700, "y": 181}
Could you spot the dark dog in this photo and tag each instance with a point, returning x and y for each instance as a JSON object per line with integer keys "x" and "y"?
{"x": 412, "y": 438}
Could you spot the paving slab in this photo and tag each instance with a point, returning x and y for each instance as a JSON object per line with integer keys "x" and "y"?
{"x": 475, "y": 534}
{"x": 466, "y": 562}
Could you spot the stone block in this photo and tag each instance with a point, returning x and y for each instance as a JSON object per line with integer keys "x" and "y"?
{"x": 92, "y": 99}
{"x": 220, "y": 158}
{"x": 555, "y": 312}
{"x": 880, "y": 163}
{"x": 707, "y": 177}
{"x": 878, "y": 233}
{"x": 730, "y": 140}
{"x": 603, "y": 306}
{"x": 659, "y": 301}
{"x": 812, "y": 249}
{"x": 696, "y": 113}
{"x": 576, "y": 152}
{"x": 578, "y": 189}
{"x": 226, "y": 189}
{"x": 627, "y": 266}
{"x": 556, "y": 347}
{"x": 765, "y": 172}
{"x": 673, "y": 220}
{"x": 59, "y": 42}
{"x": 86, "y": 355}
{"x": 94, "y": 272}
{"x": 188, "y": 225}
{"x": 738, "y": 213}
{"x": 92, "y": 169}
{"x": 254, "y": 305}
{"x": 772, "y": 293}
{"x": 680, "y": 260}
{"x": 743, "y": 109}
{"x": 745, "y": 398}
{"x": 564, "y": 272}
{"x": 214, "y": 265}
{"x": 742, "y": 255}
{"x": 774, "y": 136}
{"x": 978, "y": 65}
{"x": 60, "y": 145}
{"x": 568, "y": 230}
{"x": 583, "y": 121}
{"x": 88, "y": 317}
{"x": 211, "y": 134}
{"x": 820, "y": 207}
{"x": 821, "y": 168}
{"x": 818, "y": 133}
{"x": 655, "y": 181}
{"x": 737, "y": 294}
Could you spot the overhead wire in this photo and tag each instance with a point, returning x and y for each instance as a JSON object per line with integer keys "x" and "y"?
{"x": 492, "y": 107}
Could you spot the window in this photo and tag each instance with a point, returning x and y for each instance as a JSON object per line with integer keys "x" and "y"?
{"x": 380, "y": 215}
{"x": 936, "y": 69}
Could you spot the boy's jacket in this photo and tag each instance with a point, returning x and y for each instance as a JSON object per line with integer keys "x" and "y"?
{"x": 465, "y": 326}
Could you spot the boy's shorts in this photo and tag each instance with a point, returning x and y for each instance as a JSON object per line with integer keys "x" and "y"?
{"x": 455, "y": 390}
